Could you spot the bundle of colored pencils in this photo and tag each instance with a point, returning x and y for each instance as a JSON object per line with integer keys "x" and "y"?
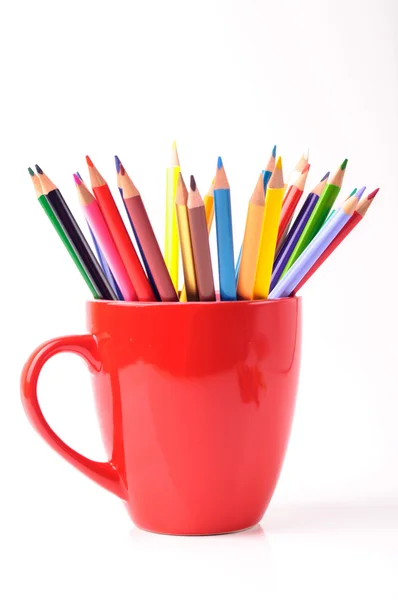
{"x": 279, "y": 253}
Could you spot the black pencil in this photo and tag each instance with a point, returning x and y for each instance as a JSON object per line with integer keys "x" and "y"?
{"x": 76, "y": 237}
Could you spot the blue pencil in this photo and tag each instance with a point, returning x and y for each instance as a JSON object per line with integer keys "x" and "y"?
{"x": 266, "y": 177}
{"x": 225, "y": 243}
{"x": 315, "y": 248}
{"x": 150, "y": 278}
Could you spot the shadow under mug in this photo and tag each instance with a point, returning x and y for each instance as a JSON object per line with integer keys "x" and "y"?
{"x": 195, "y": 404}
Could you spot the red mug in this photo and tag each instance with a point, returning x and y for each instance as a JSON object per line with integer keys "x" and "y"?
{"x": 195, "y": 404}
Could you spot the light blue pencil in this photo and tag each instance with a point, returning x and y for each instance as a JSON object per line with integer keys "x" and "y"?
{"x": 315, "y": 248}
{"x": 266, "y": 177}
{"x": 225, "y": 244}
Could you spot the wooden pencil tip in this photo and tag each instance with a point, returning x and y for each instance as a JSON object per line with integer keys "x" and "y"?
{"x": 39, "y": 170}
{"x": 117, "y": 163}
{"x": 77, "y": 179}
{"x": 79, "y": 176}
{"x": 174, "y": 160}
{"x": 274, "y": 151}
{"x": 219, "y": 163}
{"x": 344, "y": 164}
{"x": 325, "y": 176}
{"x": 373, "y": 194}
{"x": 279, "y": 163}
{"x": 192, "y": 183}
{"x": 306, "y": 168}
{"x": 31, "y": 172}
{"x": 353, "y": 192}
{"x": 89, "y": 161}
{"x": 360, "y": 192}
{"x": 306, "y": 154}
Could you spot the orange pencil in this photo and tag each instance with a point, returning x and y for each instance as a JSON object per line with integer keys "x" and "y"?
{"x": 251, "y": 241}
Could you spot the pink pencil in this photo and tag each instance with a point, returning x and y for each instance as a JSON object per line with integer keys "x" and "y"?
{"x": 95, "y": 218}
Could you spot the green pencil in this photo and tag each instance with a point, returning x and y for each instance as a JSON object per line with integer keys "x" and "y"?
{"x": 318, "y": 215}
{"x": 57, "y": 226}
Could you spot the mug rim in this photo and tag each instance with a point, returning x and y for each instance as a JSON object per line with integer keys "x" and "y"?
{"x": 208, "y": 305}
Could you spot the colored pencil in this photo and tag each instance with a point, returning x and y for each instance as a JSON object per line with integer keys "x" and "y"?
{"x": 289, "y": 243}
{"x": 269, "y": 232}
{"x": 225, "y": 244}
{"x": 298, "y": 169}
{"x": 188, "y": 264}
{"x": 209, "y": 209}
{"x": 290, "y": 202}
{"x": 102, "y": 260}
{"x": 356, "y": 218}
{"x": 314, "y": 250}
{"x": 200, "y": 244}
{"x": 120, "y": 236}
{"x": 119, "y": 166}
{"x": 171, "y": 249}
{"x": 144, "y": 232}
{"x": 251, "y": 241}
{"x": 331, "y": 213}
{"x": 97, "y": 223}
{"x": 76, "y": 238}
{"x": 58, "y": 228}
{"x": 267, "y": 172}
{"x": 319, "y": 214}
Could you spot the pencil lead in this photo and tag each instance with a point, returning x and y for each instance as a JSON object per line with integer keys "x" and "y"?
{"x": 360, "y": 192}
{"x": 79, "y": 176}
{"x": 77, "y": 179}
{"x": 373, "y": 194}
{"x": 306, "y": 168}
{"x": 192, "y": 183}
{"x": 219, "y": 163}
{"x": 89, "y": 161}
{"x": 31, "y": 172}
{"x": 353, "y": 192}
{"x": 274, "y": 151}
{"x": 279, "y": 163}
{"x": 325, "y": 176}
{"x": 344, "y": 164}
{"x": 117, "y": 163}
{"x": 39, "y": 170}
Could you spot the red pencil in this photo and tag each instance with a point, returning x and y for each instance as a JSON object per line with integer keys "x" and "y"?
{"x": 356, "y": 218}
{"x": 120, "y": 236}
{"x": 290, "y": 202}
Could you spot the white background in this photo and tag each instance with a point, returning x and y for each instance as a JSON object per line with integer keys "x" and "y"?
{"x": 229, "y": 78}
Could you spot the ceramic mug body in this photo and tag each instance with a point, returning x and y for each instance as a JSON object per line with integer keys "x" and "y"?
{"x": 195, "y": 404}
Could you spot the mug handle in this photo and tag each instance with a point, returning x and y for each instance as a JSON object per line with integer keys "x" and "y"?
{"x": 85, "y": 346}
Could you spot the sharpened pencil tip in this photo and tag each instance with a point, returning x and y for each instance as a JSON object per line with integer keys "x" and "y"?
{"x": 79, "y": 176}
{"x": 344, "y": 164}
{"x": 360, "y": 192}
{"x": 274, "y": 151}
{"x": 117, "y": 163}
{"x": 353, "y": 192}
{"x": 219, "y": 163}
{"x": 373, "y": 194}
{"x": 89, "y": 161}
{"x": 306, "y": 168}
{"x": 31, "y": 172}
{"x": 77, "y": 179}
{"x": 122, "y": 170}
{"x": 325, "y": 176}
{"x": 192, "y": 183}
{"x": 39, "y": 170}
{"x": 279, "y": 163}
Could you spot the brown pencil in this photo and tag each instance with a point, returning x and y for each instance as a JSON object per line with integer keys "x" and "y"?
{"x": 188, "y": 264}
{"x": 148, "y": 242}
{"x": 200, "y": 244}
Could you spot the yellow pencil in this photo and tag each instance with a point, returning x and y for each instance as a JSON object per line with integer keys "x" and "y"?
{"x": 188, "y": 263}
{"x": 251, "y": 241}
{"x": 171, "y": 249}
{"x": 269, "y": 233}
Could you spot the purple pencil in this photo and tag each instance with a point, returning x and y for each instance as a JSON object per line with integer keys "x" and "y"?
{"x": 296, "y": 230}
{"x": 316, "y": 247}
